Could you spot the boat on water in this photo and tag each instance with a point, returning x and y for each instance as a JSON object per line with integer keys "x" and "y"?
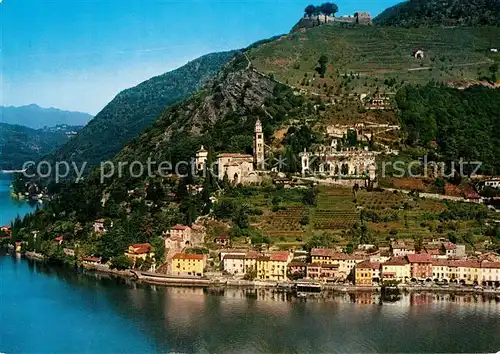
{"x": 305, "y": 286}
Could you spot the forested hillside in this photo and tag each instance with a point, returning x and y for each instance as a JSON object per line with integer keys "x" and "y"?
{"x": 416, "y": 13}
{"x": 464, "y": 123}
{"x": 132, "y": 110}
{"x": 19, "y": 144}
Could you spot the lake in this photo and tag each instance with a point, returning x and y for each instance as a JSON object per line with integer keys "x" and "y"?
{"x": 51, "y": 309}
{"x": 10, "y": 208}
{"x": 59, "y": 310}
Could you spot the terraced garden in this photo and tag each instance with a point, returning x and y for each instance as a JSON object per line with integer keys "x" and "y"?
{"x": 367, "y": 55}
{"x": 335, "y": 209}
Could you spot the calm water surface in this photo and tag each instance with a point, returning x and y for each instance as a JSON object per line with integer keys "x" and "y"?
{"x": 10, "y": 208}
{"x": 50, "y": 309}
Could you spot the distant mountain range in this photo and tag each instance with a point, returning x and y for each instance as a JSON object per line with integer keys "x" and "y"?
{"x": 36, "y": 117}
{"x": 19, "y": 144}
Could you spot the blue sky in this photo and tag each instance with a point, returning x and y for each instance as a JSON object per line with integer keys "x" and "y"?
{"x": 78, "y": 54}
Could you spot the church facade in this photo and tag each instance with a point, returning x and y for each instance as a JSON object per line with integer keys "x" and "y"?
{"x": 239, "y": 168}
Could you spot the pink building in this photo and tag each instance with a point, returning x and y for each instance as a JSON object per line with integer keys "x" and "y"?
{"x": 420, "y": 265}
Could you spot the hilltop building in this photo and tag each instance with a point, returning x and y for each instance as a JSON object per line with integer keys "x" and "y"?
{"x": 239, "y": 168}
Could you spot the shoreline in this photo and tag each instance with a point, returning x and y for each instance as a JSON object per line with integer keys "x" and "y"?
{"x": 169, "y": 280}
{"x": 217, "y": 283}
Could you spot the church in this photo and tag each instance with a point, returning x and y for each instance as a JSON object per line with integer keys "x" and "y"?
{"x": 239, "y": 168}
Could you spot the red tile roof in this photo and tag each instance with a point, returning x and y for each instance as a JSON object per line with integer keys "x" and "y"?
{"x": 368, "y": 265}
{"x": 189, "y": 256}
{"x": 100, "y": 221}
{"x": 396, "y": 261}
{"x": 464, "y": 264}
{"x": 486, "y": 264}
{"x": 141, "y": 248}
{"x": 59, "y": 238}
{"x": 18, "y": 243}
{"x": 449, "y": 246}
{"x": 419, "y": 258}
{"x": 252, "y": 255}
{"x": 234, "y": 256}
{"x": 180, "y": 227}
{"x": 279, "y": 256}
{"x": 322, "y": 252}
{"x": 263, "y": 258}
{"x": 92, "y": 259}
{"x": 435, "y": 252}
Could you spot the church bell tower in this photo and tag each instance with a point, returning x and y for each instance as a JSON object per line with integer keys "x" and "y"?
{"x": 259, "y": 147}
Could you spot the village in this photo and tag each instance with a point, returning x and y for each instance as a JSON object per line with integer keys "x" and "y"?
{"x": 439, "y": 263}
{"x": 189, "y": 255}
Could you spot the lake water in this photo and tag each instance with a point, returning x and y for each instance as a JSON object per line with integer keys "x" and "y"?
{"x": 52, "y": 309}
{"x": 10, "y": 208}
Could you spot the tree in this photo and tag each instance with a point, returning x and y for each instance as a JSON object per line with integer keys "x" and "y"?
{"x": 328, "y": 9}
{"x": 121, "y": 262}
{"x": 322, "y": 65}
{"x": 310, "y": 10}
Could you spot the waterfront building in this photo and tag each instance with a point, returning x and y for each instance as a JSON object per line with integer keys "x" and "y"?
{"x": 346, "y": 262}
{"x": 298, "y": 269}
{"x": 234, "y": 264}
{"x": 367, "y": 273}
{"x": 188, "y": 264}
{"x": 227, "y": 251}
{"x": 490, "y": 272}
{"x": 420, "y": 266}
{"x": 273, "y": 266}
{"x": 397, "y": 268}
{"x": 91, "y": 260}
{"x": 141, "y": 251}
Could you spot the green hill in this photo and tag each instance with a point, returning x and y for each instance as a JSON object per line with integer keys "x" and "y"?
{"x": 19, "y": 144}
{"x": 416, "y": 13}
{"x": 364, "y": 59}
{"x": 132, "y": 110}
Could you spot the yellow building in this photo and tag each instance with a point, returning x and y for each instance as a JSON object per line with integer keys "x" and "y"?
{"x": 397, "y": 268}
{"x": 188, "y": 264}
{"x": 273, "y": 266}
{"x": 346, "y": 262}
{"x": 141, "y": 251}
{"x": 367, "y": 272}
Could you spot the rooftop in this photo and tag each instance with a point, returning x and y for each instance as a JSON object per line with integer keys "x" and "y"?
{"x": 396, "y": 261}
{"x": 180, "y": 227}
{"x": 236, "y": 156}
{"x": 234, "y": 256}
{"x": 368, "y": 265}
{"x": 419, "y": 258}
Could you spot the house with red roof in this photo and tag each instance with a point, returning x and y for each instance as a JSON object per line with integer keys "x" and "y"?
{"x": 420, "y": 266}
{"x": 273, "y": 265}
{"x": 141, "y": 251}
{"x": 397, "y": 268}
{"x": 91, "y": 260}
{"x": 188, "y": 264}
{"x": 367, "y": 273}
{"x": 180, "y": 233}
{"x": 99, "y": 226}
{"x": 490, "y": 272}
{"x": 222, "y": 240}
